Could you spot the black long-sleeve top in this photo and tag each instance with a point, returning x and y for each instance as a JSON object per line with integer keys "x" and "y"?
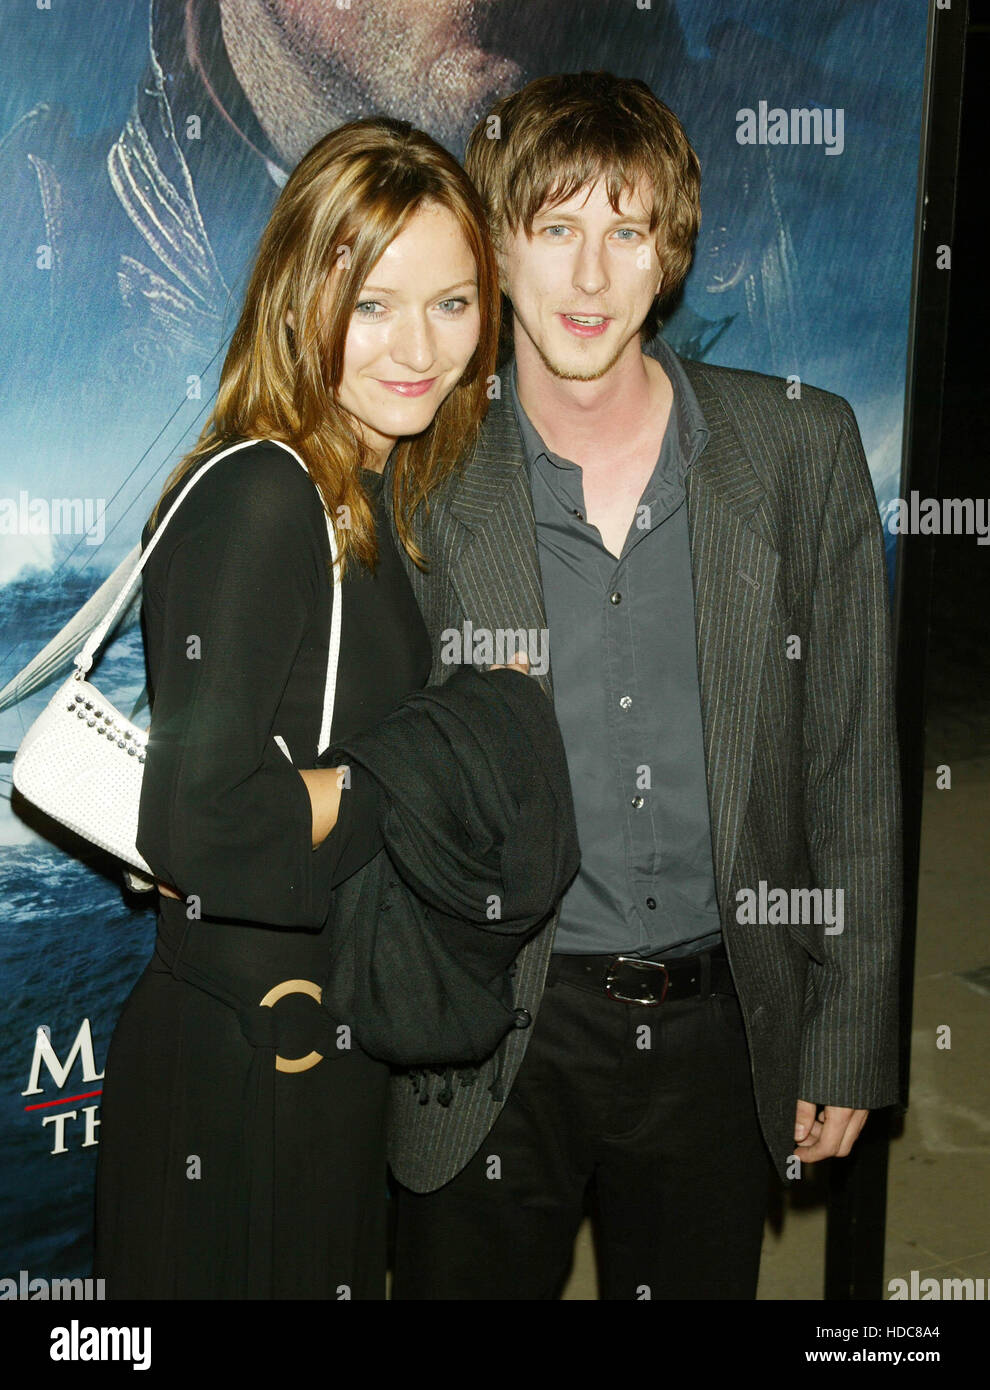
{"x": 237, "y": 607}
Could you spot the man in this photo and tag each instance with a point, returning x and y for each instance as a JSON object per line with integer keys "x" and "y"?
{"x": 719, "y": 983}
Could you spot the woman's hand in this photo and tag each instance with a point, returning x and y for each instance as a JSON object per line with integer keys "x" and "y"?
{"x": 520, "y": 663}
{"x": 324, "y": 785}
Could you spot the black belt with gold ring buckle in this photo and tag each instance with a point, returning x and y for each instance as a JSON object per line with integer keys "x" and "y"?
{"x": 277, "y": 992}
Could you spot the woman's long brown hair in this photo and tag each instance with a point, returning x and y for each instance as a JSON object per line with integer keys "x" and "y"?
{"x": 342, "y": 206}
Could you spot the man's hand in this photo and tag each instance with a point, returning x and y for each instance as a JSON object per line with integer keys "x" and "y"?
{"x": 829, "y": 1134}
{"x": 520, "y": 662}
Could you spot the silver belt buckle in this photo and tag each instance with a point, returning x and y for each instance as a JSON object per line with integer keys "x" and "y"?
{"x": 637, "y": 964}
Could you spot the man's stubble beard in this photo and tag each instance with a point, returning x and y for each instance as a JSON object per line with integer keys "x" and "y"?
{"x": 570, "y": 374}
{"x": 554, "y": 368}
{"x": 563, "y": 375}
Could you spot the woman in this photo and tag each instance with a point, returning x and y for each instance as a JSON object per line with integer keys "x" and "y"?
{"x": 368, "y": 332}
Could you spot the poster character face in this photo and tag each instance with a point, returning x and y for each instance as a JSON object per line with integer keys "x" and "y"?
{"x": 413, "y": 331}
{"x": 583, "y": 283}
{"x": 306, "y": 65}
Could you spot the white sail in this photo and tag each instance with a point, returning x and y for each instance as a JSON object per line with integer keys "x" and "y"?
{"x": 56, "y": 658}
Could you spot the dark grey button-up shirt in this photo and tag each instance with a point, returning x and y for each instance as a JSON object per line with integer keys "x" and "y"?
{"x": 624, "y": 662}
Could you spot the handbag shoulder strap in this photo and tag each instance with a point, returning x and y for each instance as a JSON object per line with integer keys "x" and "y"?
{"x": 84, "y": 660}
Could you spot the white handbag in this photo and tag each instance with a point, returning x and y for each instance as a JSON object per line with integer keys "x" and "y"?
{"x": 82, "y": 761}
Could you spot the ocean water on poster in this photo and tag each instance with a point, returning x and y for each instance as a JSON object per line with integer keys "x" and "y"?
{"x": 72, "y": 944}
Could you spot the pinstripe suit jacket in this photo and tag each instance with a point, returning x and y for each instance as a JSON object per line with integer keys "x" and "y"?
{"x": 800, "y": 751}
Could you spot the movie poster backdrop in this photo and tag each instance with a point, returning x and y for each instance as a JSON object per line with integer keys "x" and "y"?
{"x": 142, "y": 146}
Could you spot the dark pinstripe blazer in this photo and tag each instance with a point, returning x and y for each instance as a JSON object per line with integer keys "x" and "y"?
{"x": 800, "y": 753}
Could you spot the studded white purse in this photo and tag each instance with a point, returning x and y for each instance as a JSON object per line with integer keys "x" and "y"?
{"x": 82, "y": 761}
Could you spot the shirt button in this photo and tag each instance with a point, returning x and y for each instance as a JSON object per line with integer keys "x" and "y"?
{"x": 637, "y": 801}
{"x": 615, "y": 597}
{"x": 625, "y": 701}
{"x": 577, "y": 514}
{"x": 523, "y": 1018}
{"x": 651, "y": 903}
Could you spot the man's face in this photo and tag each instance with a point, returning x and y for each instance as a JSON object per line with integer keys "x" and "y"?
{"x": 413, "y": 330}
{"x": 582, "y": 284}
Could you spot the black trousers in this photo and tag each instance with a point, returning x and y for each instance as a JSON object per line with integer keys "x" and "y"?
{"x": 652, "y": 1106}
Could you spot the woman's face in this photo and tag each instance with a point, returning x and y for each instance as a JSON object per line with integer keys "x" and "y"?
{"x": 413, "y": 330}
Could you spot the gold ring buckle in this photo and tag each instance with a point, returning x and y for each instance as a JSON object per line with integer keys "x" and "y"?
{"x": 278, "y": 992}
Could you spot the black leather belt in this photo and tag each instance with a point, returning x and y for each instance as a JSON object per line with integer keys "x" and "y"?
{"x": 647, "y": 980}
